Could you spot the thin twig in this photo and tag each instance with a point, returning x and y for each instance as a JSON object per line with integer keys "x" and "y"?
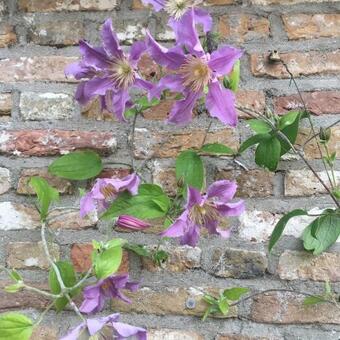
{"x": 308, "y": 116}
{"x": 296, "y": 151}
{"x": 206, "y": 134}
{"x": 41, "y": 292}
{"x": 131, "y": 140}
{"x": 44, "y": 313}
{"x": 79, "y": 283}
{"x": 318, "y": 133}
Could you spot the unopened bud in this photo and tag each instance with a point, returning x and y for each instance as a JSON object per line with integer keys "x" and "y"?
{"x": 131, "y": 223}
{"x": 180, "y": 182}
{"x": 325, "y": 134}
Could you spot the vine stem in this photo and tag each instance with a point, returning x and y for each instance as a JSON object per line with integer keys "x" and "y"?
{"x": 308, "y": 116}
{"x": 44, "y": 313}
{"x": 284, "y": 137}
{"x": 318, "y": 133}
{"x": 206, "y": 134}
{"x": 64, "y": 290}
{"x": 131, "y": 140}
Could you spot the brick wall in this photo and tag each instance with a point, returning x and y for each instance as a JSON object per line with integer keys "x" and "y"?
{"x": 40, "y": 120}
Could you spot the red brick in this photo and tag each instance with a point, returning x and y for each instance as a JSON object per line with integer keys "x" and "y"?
{"x": 81, "y": 258}
{"x": 166, "y": 144}
{"x": 299, "y": 64}
{"x": 288, "y": 308}
{"x": 321, "y": 102}
{"x": 253, "y": 100}
{"x": 242, "y": 28}
{"x": 304, "y": 26}
{"x": 54, "y": 142}
{"x": 7, "y": 35}
{"x": 74, "y": 5}
{"x": 45, "y": 68}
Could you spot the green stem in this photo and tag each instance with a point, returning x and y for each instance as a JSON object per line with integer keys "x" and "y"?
{"x": 42, "y": 315}
{"x": 331, "y": 167}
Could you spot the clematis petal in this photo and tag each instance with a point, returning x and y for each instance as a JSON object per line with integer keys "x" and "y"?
{"x": 116, "y": 103}
{"x": 194, "y": 197}
{"x": 87, "y": 204}
{"x": 110, "y": 40}
{"x": 97, "y": 86}
{"x": 181, "y": 112}
{"x": 191, "y": 237}
{"x": 93, "y": 56}
{"x": 213, "y": 229}
{"x": 171, "y": 58}
{"x": 125, "y": 331}
{"x": 80, "y": 96}
{"x": 179, "y": 227}
{"x": 203, "y": 18}
{"x": 74, "y": 334}
{"x": 136, "y": 51}
{"x": 144, "y": 84}
{"x": 231, "y": 209}
{"x": 186, "y": 34}
{"x": 157, "y": 4}
{"x": 223, "y": 190}
{"x": 95, "y": 325}
{"x": 172, "y": 82}
{"x": 220, "y": 104}
{"x": 223, "y": 60}
{"x": 79, "y": 70}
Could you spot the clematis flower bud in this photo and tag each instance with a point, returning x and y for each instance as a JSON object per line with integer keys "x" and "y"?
{"x": 131, "y": 223}
{"x": 325, "y": 134}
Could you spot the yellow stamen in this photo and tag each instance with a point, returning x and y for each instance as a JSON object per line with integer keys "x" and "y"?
{"x": 196, "y": 73}
{"x": 202, "y": 214}
{"x": 122, "y": 73}
{"x": 108, "y": 191}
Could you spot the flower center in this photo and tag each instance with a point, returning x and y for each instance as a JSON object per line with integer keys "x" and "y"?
{"x": 202, "y": 214}
{"x": 195, "y": 73}
{"x": 108, "y": 191}
{"x": 122, "y": 73}
{"x": 177, "y": 8}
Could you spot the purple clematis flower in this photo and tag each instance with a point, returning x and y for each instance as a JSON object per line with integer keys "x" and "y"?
{"x": 178, "y": 10}
{"x": 110, "y": 73}
{"x": 205, "y": 211}
{"x": 193, "y": 73}
{"x": 96, "y": 295}
{"x": 131, "y": 223}
{"x": 105, "y": 191}
{"x": 106, "y": 328}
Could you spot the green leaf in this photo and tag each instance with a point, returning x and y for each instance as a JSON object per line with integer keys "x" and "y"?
{"x": 138, "y": 249}
{"x": 15, "y": 326}
{"x": 325, "y": 230}
{"x": 259, "y": 126}
{"x": 280, "y": 226}
{"x": 14, "y": 288}
{"x": 267, "y": 153}
{"x": 288, "y": 119}
{"x": 217, "y": 149}
{"x": 190, "y": 169}
{"x": 208, "y": 311}
{"x": 291, "y": 132}
{"x": 15, "y": 276}
{"x": 151, "y": 202}
{"x": 130, "y": 113}
{"x": 108, "y": 262}
{"x": 69, "y": 278}
{"x": 223, "y": 306}
{"x": 143, "y": 103}
{"x": 313, "y": 300}
{"x": 253, "y": 140}
{"x": 234, "y": 76}
{"x": 234, "y": 294}
{"x": 46, "y": 194}
{"x": 160, "y": 256}
{"x": 209, "y": 299}
{"x": 78, "y": 165}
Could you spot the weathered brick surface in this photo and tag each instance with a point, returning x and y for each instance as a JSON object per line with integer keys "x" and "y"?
{"x": 299, "y": 64}
{"x": 243, "y": 27}
{"x": 171, "y": 300}
{"x": 44, "y": 333}
{"x": 304, "y": 183}
{"x": 5, "y": 180}
{"x": 164, "y": 144}
{"x": 294, "y": 265}
{"x": 30, "y": 255}
{"x": 81, "y": 258}
{"x": 57, "y": 33}
{"x": 252, "y": 183}
{"x": 238, "y": 263}
{"x": 180, "y": 259}
{"x": 57, "y": 5}
{"x": 54, "y": 142}
{"x": 7, "y": 35}
{"x": 286, "y": 2}
{"x": 62, "y": 185}
{"x": 172, "y": 334}
{"x": 46, "y": 106}
{"x": 321, "y": 102}
{"x": 304, "y": 26}
{"x": 244, "y": 337}
{"x": 5, "y": 104}
{"x": 286, "y": 308}
{"x": 70, "y": 219}
{"x": 15, "y": 216}
{"x": 44, "y": 68}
